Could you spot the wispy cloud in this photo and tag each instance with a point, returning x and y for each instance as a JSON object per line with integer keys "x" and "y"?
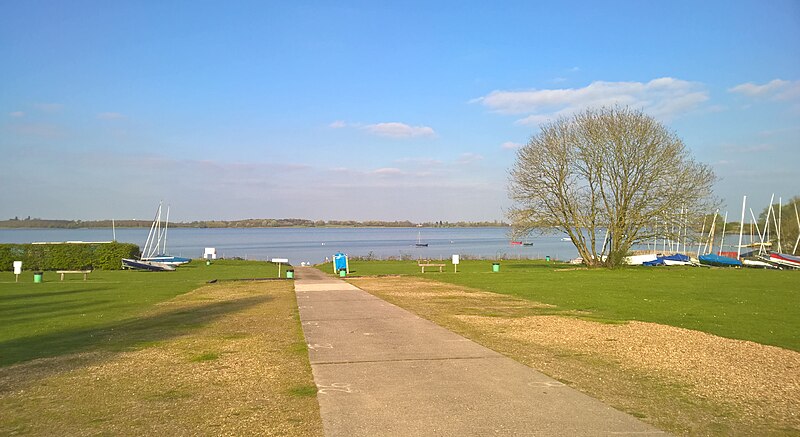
{"x": 776, "y": 89}
{"x": 399, "y": 130}
{"x": 42, "y": 130}
{"x": 16, "y": 114}
{"x": 664, "y": 98}
{"x": 338, "y": 124}
{"x": 388, "y": 171}
{"x": 469, "y": 158}
{"x": 510, "y": 145}
{"x": 110, "y": 116}
{"x": 757, "y": 148}
{"x": 420, "y": 162}
{"x": 49, "y": 107}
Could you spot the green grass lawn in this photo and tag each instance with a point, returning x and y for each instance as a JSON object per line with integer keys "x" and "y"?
{"x": 748, "y": 304}
{"x": 55, "y": 317}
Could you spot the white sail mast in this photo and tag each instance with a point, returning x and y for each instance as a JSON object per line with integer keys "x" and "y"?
{"x": 741, "y": 230}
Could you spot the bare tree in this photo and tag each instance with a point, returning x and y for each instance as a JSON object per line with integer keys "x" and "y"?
{"x": 611, "y": 168}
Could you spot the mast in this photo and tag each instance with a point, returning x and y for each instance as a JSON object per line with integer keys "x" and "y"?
{"x": 722, "y": 239}
{"x": 797, "y": 216}
{"x": 741, "y": 230}
{"x": 147, "y": 250}
{"x": 166, "y": 226}
{"x": 702, "y": 234}
{"x": 710, "y": 243}
{"x": 758, "y": 232}
{"x": 778, "y": 226}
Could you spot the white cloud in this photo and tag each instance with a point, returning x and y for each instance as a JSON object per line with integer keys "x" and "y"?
{"x": 757, "y": 148}
{"x": 16, "y": 114}
{"x": 338, "y": 124}
{"x": 510, "y": 145}
{"x": 776, "y": 89}
{"x": 420, "y": 162}
{"x": 399, "y": 130}
{"x": 110, "y": 116}
{"x": 469, "y": 158}
{"x": 663, "y": 98}
{"x": 48, "y": 107}
{"x": 388, "y": 171}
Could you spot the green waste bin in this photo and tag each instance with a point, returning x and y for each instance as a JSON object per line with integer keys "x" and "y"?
{"x": 37, "y": 277}
{"x": 208, "y": 262}
{"x": 290, "y": 274}
{"x": 342, "y": 273}
{"x": 495, "y": 267}
{"x": 547, "y": 258}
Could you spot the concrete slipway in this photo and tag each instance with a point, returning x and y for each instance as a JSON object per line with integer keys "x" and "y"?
{"x": 383, "y": 371}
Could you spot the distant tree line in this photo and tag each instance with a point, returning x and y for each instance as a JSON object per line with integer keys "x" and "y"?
{"x": 16, "y": 223}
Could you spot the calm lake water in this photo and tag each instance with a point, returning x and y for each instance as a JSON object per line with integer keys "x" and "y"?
{"x": 316, "y": 244}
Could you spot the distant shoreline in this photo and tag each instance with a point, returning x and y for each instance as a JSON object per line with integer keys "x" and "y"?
{"x": 35, "y": 223}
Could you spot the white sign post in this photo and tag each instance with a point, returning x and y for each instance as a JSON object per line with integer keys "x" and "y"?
{"x": 279, "y": 261}
{"x": 17, "y": 270}
{"x": 456, "y": 260}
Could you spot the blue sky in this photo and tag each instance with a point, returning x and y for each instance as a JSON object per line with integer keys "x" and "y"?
{"x": 363, "y": 110}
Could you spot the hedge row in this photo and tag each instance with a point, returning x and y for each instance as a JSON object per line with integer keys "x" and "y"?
{"x": 67, "y": 256}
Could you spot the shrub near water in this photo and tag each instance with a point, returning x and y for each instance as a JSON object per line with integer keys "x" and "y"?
{"x": 67, "y": 256}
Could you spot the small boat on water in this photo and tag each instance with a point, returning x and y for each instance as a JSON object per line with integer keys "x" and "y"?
{"x": 516, "y": 243}
{"x": 419, "y": 242}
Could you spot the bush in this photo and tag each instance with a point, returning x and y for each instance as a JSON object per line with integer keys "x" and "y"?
{"x": 67, "y": 256}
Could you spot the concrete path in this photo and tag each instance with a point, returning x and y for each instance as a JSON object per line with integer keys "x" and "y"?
{"x": 383, "y": 371}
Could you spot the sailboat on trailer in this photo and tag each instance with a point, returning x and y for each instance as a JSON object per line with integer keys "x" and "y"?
{"x": 154, "y": 257}
{"x": 155, "y": 249}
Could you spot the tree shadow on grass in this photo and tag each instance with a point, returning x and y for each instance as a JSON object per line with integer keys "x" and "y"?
{"x": 120, "y": 335}
{"x": 537, "y": 266}
{"x": 9, "y": 297}
{"x": 35, "y": 311}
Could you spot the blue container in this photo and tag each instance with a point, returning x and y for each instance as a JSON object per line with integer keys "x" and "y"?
{"x": 339, "y": 261}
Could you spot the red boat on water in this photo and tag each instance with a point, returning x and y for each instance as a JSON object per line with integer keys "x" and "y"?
{"x": 785, "y": 259}
{"x": 516, "y": 243}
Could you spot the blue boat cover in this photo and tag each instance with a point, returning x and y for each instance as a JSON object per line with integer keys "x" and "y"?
{"x": 713, "y": 259}
{"x": 659, "y": 261}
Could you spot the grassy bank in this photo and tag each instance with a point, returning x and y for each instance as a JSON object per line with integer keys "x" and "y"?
{"x": 55, "y": 317}
{"x": 682, "y": 381}
{"x": 133, "y": 353}
{"x": 748, "y": 304}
